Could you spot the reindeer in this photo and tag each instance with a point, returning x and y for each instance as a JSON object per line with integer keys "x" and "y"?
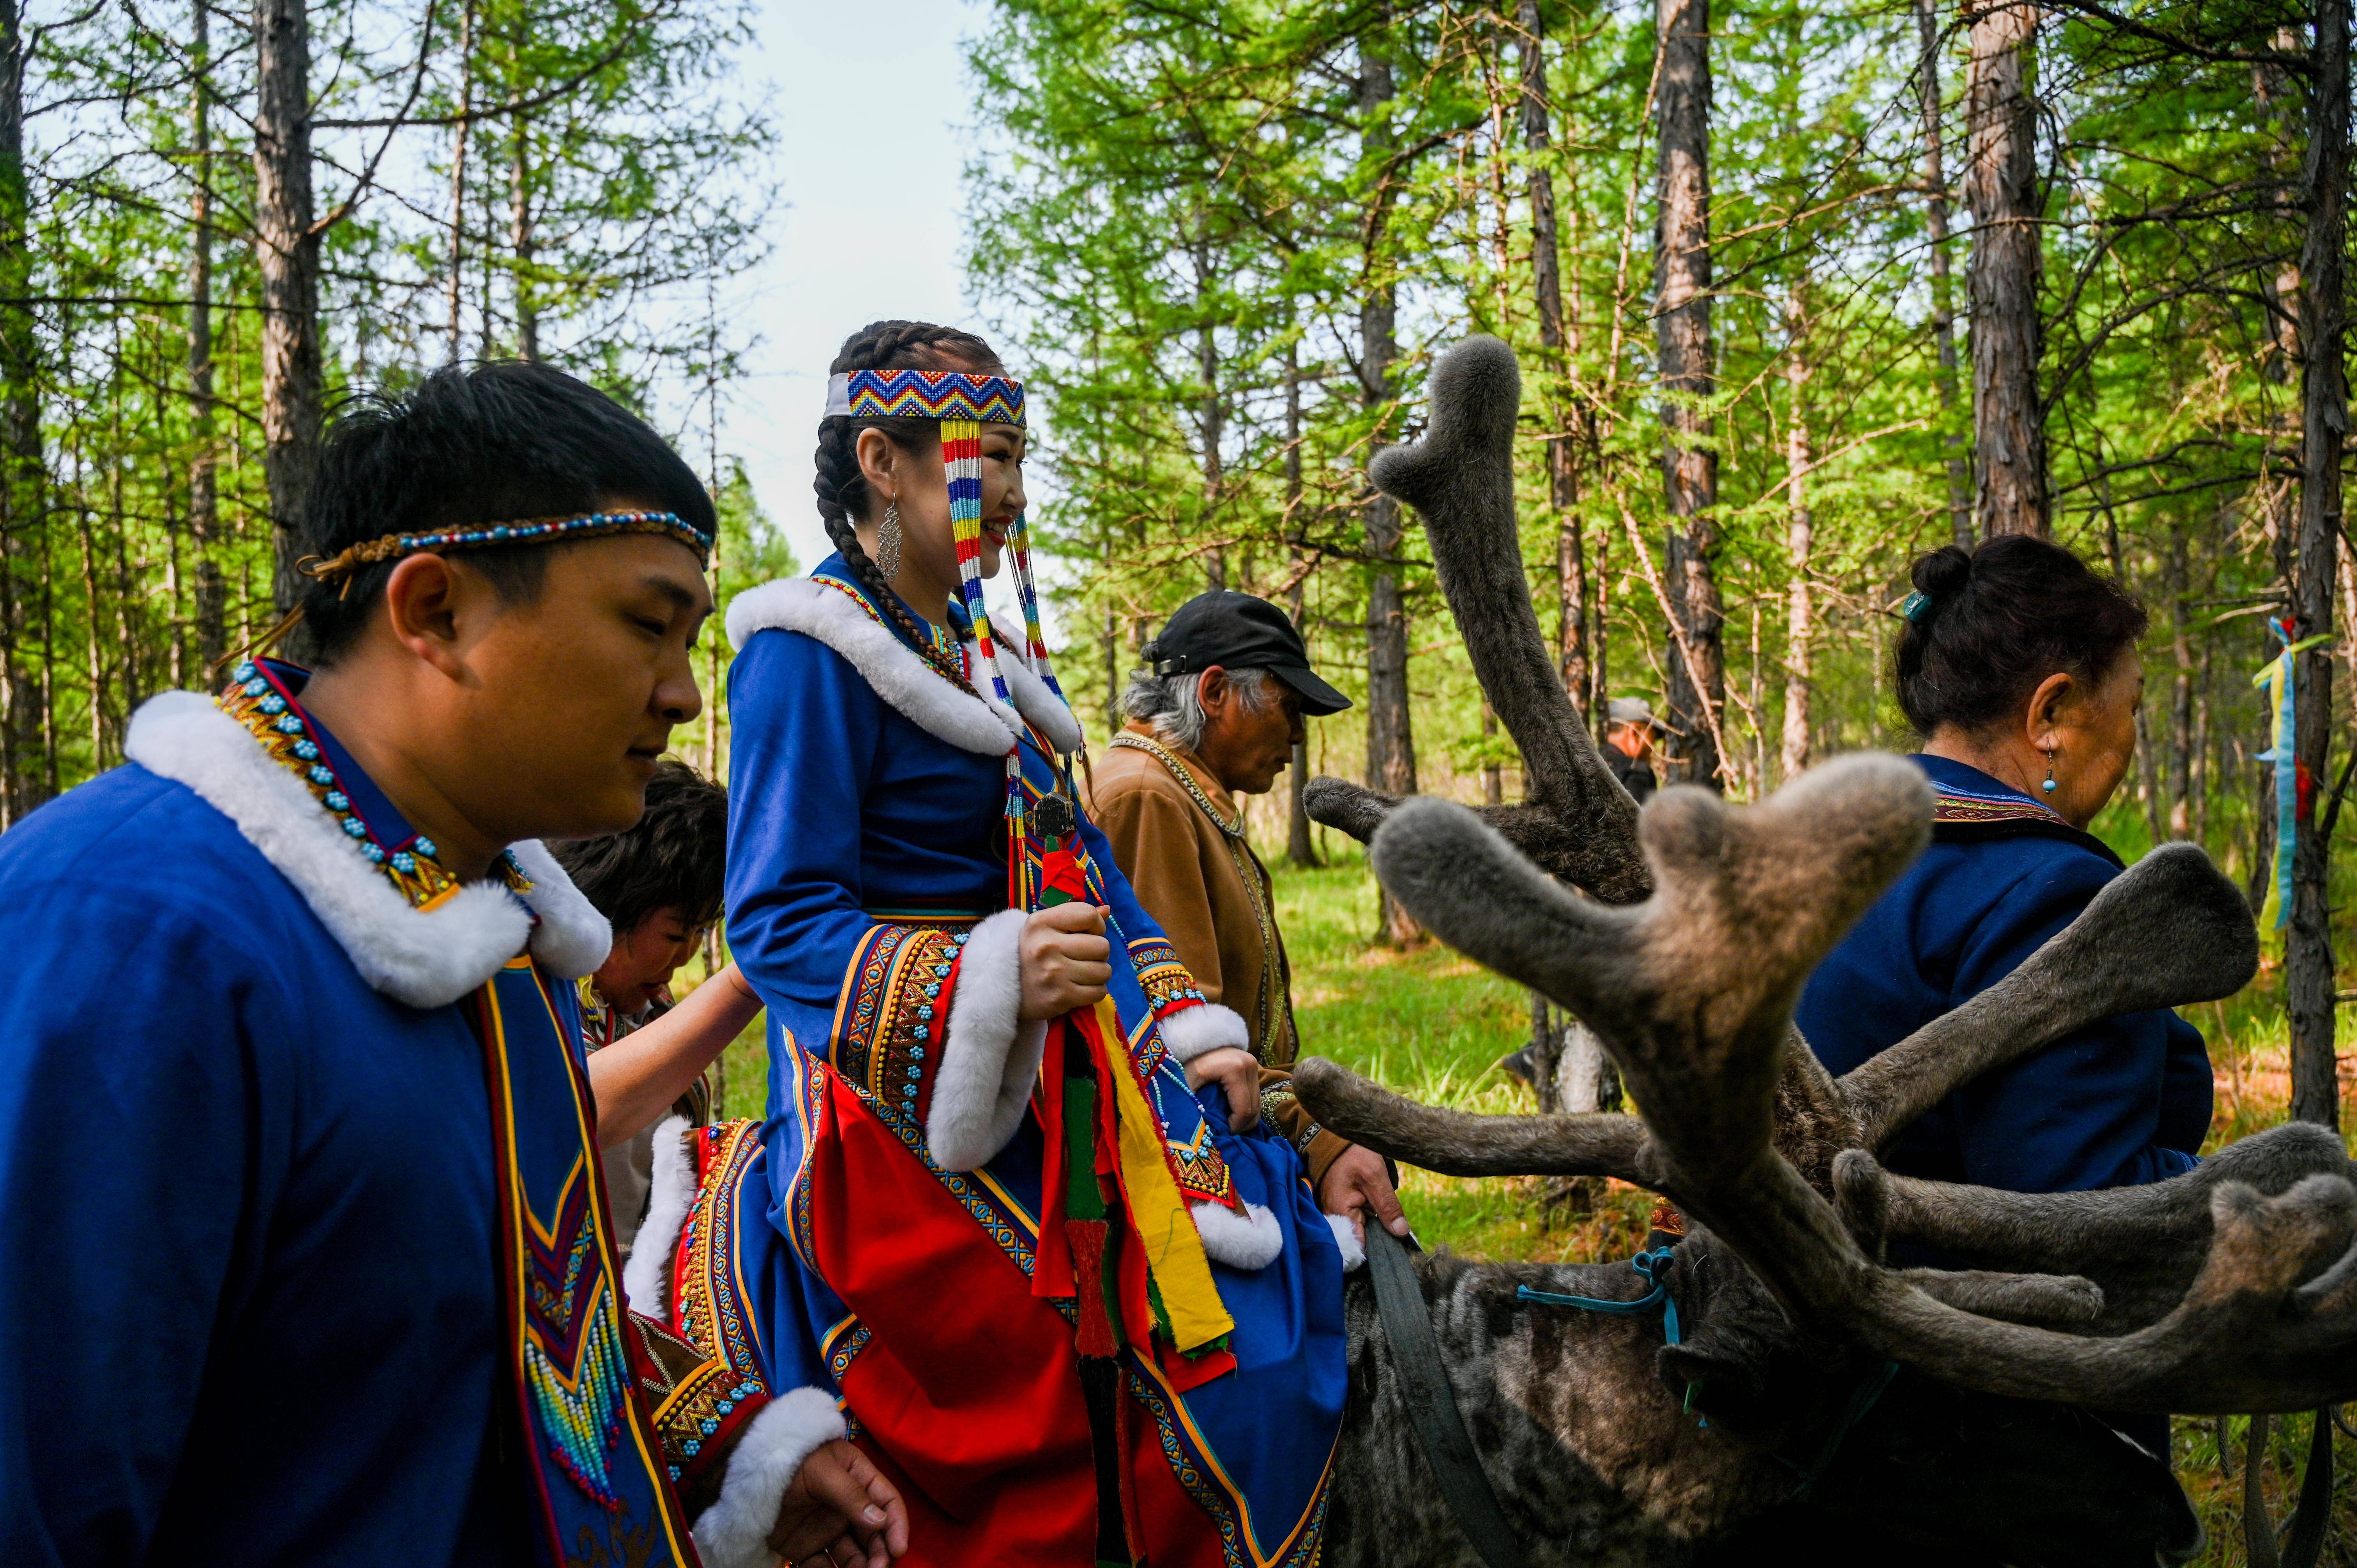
{"x": 1683, "y": 937}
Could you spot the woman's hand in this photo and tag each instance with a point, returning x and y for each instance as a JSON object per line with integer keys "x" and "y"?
{"x": 1236, "y": 1071}
{"x": 840, "y": 1510}
{"x": 1065, "y": 961}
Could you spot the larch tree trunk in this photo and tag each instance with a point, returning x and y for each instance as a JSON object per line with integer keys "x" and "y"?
{"x": 1682, "y": 275}
{"x": 1299, "y": 847}
{"x": 1391, "y": 740}
{"x": 2008, "y": 335}
{"x": 454, "y": 289}
{"x": 1574, "y": 635}
{"x": 26, "y": 768}
{"x": 522, "y": 241}
{"x": 1799, "y": 607}
{"x": 2324, "y": 425}
{"x": 1943, "y": 304}
{"x": 286, "y": 246}
{"x": 1214, "y": 427}
{"x": 204, "y": 497}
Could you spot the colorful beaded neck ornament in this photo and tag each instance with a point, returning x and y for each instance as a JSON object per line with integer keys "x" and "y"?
{"x": 964, "y": 402}
{"x": 259, "y": 697}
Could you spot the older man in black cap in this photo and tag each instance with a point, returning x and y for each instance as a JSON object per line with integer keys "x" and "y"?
{"x": 1215, "y": 713}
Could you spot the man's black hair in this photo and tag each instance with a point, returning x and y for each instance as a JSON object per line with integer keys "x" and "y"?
{"x": 487, "y": 443}
{"x": 673, "y": 859}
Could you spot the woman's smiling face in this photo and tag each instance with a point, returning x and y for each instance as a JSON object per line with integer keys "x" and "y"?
{"x": 915, "y": 480}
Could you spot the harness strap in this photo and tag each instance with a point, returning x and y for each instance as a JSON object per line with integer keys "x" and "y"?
{"x": 1432, "y": 1403}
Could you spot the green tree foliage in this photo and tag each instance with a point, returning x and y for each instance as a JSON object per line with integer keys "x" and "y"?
{"x": 611, "y": 181}
{"x": 1186, "y": 205}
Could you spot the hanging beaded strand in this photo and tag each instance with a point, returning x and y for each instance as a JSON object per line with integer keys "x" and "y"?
{"x": 961, "y": 462}
{"x": 1019, "y": 542}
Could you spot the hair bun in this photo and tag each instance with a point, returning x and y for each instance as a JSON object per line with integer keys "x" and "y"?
{"x": 1943, "y": 572}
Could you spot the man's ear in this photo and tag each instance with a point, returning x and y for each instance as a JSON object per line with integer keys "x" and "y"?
{"x": 1211, "y": 689}
{"x": 422, "y": 602}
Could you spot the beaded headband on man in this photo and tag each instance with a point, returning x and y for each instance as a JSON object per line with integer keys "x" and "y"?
{"x": 925, "y": 394}
{"x": 356, "y": 558}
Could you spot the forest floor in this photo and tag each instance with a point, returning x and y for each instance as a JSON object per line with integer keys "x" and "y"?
{"x": 1431, "y": 1024}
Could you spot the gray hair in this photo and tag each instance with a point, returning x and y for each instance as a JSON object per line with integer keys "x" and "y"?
{"x": 1172, "y": 705}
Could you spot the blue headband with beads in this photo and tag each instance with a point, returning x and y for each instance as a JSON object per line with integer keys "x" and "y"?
{"x": 354, "y": 558}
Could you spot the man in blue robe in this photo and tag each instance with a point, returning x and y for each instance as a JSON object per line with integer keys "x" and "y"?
{"x": 306, "y": 1259}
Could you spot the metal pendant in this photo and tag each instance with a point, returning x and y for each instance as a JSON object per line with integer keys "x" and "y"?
{"x": 1054, "y": 817}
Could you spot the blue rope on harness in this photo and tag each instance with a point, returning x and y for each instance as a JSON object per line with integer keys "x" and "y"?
{"x": 1655, "y": 1265}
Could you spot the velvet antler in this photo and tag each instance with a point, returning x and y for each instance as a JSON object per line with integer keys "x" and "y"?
{"x": 1578, "y": 823}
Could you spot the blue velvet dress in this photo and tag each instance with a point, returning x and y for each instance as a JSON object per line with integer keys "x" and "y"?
{"x": 868, "y": 855}
{"x": 2118, "y": 1103}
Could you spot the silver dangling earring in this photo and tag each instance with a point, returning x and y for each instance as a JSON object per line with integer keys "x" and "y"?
{"x": 887, "y": 542}
{"x": 2049, "y": 784}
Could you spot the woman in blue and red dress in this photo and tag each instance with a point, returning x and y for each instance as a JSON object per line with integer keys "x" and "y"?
{"x": 1011, "y": 1210}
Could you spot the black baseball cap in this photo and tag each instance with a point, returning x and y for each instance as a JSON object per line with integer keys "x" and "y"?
{"x": 1237, "y": 631}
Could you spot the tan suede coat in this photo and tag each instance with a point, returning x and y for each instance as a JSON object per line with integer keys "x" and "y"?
{"x": 1185, "y": 854}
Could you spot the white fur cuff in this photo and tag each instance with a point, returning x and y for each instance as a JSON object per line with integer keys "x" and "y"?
{"x": 1189, "y": 1032}
{"x": 648, "y": 1269}
{"x": 1250, "y": 1240}
{"x": 734, "y": 1533}
{"x": 991, "y": 1057}
{"x": 1346, "y": 1236}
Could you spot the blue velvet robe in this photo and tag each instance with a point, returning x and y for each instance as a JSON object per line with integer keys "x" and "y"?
{"x": 249, "y": 1267}
{"x": 2118, "y": 1103}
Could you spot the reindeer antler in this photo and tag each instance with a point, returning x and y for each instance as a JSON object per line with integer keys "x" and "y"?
{"x": 2238, "y": 1284}
{"x": 1691, "y": 992}
{"x": 1578, "y": 823}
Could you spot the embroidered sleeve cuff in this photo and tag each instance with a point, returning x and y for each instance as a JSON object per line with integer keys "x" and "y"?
{"x": 734, "y": 1533}
{"x": 1164, "y": 979}
{"x": 1189, "y": 1032}
{"x": 991, "y": 1057}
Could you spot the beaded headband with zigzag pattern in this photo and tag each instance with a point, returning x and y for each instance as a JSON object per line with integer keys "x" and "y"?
{"x": 925, "y": 394}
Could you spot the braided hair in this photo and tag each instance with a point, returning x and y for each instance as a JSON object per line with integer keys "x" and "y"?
{"x": 841, "y": 489}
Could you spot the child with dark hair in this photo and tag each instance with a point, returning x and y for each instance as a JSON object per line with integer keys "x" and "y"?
{"x": 337, "y": 1263}
{"x": 658, "y": 885}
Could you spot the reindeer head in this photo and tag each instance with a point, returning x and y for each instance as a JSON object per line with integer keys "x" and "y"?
{"x": 1683, "y": 937}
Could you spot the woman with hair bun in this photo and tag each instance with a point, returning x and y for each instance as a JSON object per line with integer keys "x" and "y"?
{"x": 1010, "y": 1226}
{"x": 2018, "y": 666}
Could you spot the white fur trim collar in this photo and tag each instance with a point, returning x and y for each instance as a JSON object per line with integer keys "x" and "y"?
{"x": 979, "y": 724}
{"x": 423, "y": 958}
